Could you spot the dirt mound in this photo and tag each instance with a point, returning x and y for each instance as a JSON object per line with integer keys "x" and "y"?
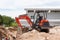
{"x": 34, "y": 35}
{"x": 54, "y": 34}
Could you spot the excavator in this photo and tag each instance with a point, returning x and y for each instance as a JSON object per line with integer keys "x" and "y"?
{"x": 37, "y": 21}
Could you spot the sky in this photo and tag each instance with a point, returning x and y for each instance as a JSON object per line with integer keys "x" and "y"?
{"x": 14, "y": 8}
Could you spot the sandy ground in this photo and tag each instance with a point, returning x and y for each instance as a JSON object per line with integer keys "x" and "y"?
{"x": 54, "y": 34}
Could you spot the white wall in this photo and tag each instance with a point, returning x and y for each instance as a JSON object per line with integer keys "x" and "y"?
{"x": 54, "y": 18}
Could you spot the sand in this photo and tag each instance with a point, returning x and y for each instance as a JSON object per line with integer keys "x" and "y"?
{"x": 54, "y": 34}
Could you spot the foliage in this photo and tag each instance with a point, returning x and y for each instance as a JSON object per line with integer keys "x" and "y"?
{"x": 7, "y": 21}
{"x": 1, "y": 20}
{"x": 14, "y": 24}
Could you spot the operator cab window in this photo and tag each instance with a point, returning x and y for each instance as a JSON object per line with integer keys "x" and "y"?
{"x": 30, "y": 11}
{"x": 32, "y": 17}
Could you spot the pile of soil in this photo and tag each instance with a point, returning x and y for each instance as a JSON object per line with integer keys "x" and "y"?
{"x": 54, "y": 34}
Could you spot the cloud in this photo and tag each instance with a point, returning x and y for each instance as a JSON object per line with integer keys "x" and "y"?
{"x": 14, "y": 4}
{"x": 54, "y": 3}
{"x": 21, "y": 4}
{"x": 13, "y": 14}
{"x": 15, "y": 7}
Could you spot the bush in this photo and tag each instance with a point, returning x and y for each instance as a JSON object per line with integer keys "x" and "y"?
{"x": 14, "y": 24}
{"x": 7, "y": 21}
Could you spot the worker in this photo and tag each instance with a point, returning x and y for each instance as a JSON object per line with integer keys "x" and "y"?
{"x": 42, "y": 22}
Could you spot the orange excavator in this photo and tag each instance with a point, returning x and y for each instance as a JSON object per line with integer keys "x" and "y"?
{"x": 39, "y": 22}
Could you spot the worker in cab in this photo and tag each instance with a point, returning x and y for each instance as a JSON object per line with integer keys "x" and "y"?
{"x": 44, "y": 22}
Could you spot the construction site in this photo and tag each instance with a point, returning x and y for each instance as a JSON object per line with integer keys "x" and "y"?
{"x": 39, "y": 24}
{"x": 36, "y": 24}
{"x": 8, "y": 33}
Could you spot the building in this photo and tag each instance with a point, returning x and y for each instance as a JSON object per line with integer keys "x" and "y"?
{"x": 52, "y": 14}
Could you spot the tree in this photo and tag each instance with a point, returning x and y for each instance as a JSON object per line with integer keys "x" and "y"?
{"x": 14, "y": 24}
{"x": 7, "y": 20}
{"x": 1, "y": 21}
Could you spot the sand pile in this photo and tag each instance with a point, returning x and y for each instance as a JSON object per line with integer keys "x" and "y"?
{"x": 54, "y": 34}
{"x": 34, "y": 35}
{"x": 55, "y": 30}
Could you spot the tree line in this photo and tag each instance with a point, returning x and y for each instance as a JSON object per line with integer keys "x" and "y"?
{"x": 7, "y": 21}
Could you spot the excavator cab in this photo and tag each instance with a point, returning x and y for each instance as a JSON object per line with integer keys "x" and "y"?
{"x": 40, "y": 21}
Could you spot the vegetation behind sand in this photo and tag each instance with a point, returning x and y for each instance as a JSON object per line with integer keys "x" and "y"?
{"x": 7, "y": 21}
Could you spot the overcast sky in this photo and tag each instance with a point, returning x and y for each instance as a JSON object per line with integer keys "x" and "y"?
{"x": 14, "y": 8}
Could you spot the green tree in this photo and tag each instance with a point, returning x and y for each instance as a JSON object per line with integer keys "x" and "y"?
{"x": 1, "y": 21}
{"x": 7, "y": 20}
{"x": 14, "y": 24}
